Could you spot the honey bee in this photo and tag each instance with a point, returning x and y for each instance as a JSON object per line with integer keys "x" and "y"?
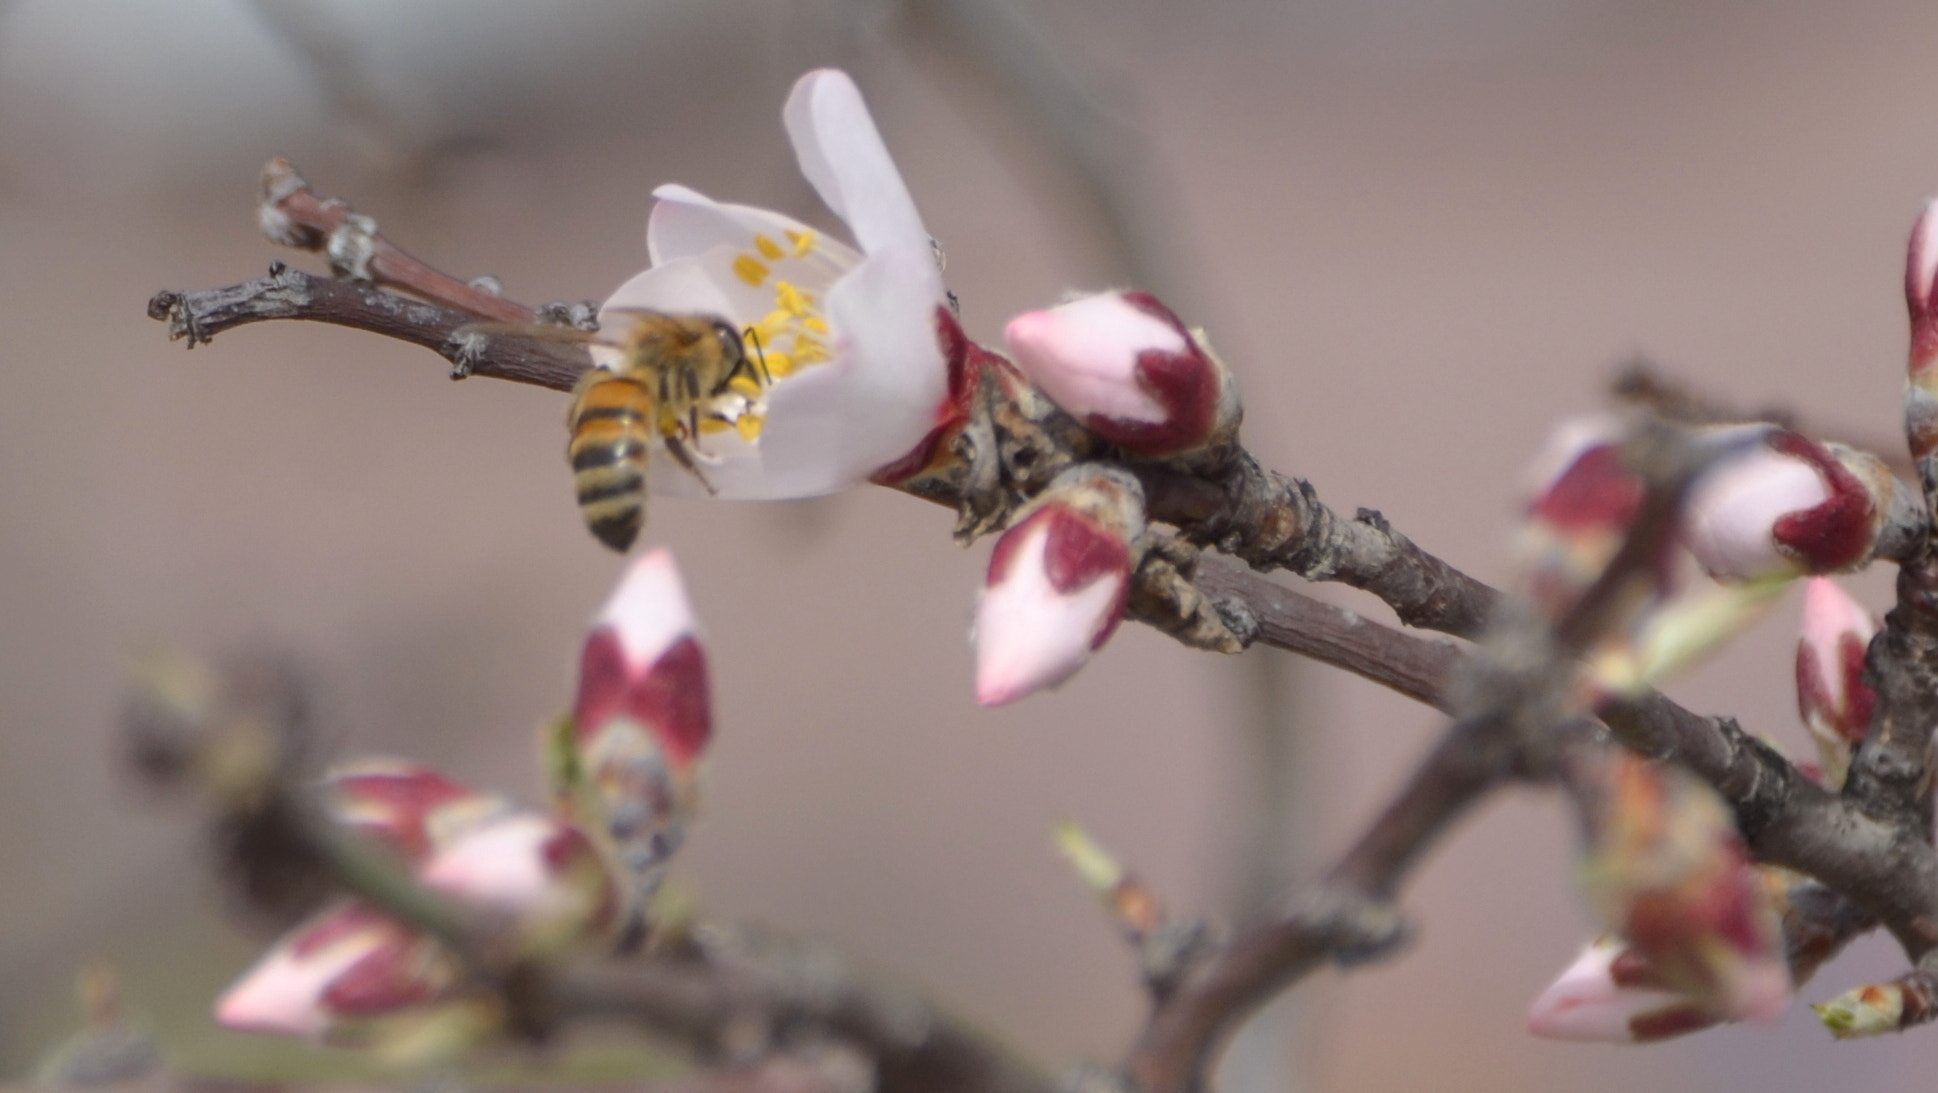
{"x": 674, "y": 371}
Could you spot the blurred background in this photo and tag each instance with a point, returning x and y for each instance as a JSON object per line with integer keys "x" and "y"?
{"x": 1422, "y": 230}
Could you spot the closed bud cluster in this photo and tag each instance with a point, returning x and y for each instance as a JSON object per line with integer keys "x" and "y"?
{"x": 626, "y": 763}
{"x": 1832, "y": 697}
{"x": 1058, "y": 581}
{"x": 1611, "y": 994}
{"x": 1667, "y": 872}
{"x": 1128, "y": 368}
{"x": 353, "y": 974}
{"x": 1789, "y": 506}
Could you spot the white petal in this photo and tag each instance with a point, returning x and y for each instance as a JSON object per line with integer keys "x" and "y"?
{"x": 1084, "y": 354}
{"x": 682, "y": 287}
{"x": 842, "y": 155}
{"x": 649, "y": 609}
{"x": 831, "y": 426}
{"x": 1029, "y": 636}
{"x": 1922, "y": 269}
{"x": 685, "y": 223}
{"x": 1733, "y": 510}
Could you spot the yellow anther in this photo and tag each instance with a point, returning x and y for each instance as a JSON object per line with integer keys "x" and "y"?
{"x": 779, "y": 364}
{"x": 773, "y": 324}
{"x": 790, "y": 298}
{"x": 808, "y": 352}
{"x": 748, "y": 426}
{"x": 749, "y": 269}
{"x": 817, "y": 324}
{"x": 803, "y": 242}
{"x": 714, "y": 425}
{"x": 745, "y": 386}
{"x": 768, "y": 249}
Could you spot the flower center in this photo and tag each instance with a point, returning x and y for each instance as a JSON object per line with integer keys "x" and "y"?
{"x": 791, "y": 336}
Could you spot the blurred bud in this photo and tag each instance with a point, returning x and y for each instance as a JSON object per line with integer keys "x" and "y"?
{"x": 1583, "y": 500}
{"x": 1128, "y": 368}
{"x": 1610, "y": 994}
{"x": 625, "y": 765}
{"x": 1667, "y": 872}
{"x": 1128, "y": 899}
{"x": 1874, "y": 1009}
{"x": 1921, "y": 289}
{"x": 1786, "y": 507}
{"x": 408, "y": 807}
{"x": 347, "y": 965}
{"x": 1832, "y": 696}
{"x": 1921, "y": 393}
{"x": 1057, "y": 584}
{"x": 539, "y": 873}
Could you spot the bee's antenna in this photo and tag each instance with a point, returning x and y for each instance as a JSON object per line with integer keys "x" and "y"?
{"x": 766, "y": 378}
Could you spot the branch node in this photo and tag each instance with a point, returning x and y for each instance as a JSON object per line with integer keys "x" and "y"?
{"x": 351, "y": 247}
{"x": 1352, "y": 928}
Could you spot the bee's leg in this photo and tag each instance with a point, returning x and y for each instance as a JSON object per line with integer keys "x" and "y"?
{"x": 755, "y": 366}
{"x": 677, "y": 448}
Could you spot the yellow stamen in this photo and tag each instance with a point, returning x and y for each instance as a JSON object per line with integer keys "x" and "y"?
{"x": 803, "y": 242}
{"x": 779, "y": 364}
{"x": 817, "y": 324}
{"x": 747, "y": 386}
{"x": 768, "y": 249}
{"x": 748, "y": 268}
{"x": 714, "y": 425}
{"x": 790, "y": 299}
{"x": 748, "y": 425}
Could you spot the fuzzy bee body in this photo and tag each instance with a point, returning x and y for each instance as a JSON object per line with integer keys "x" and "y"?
{"x": 673, "y": 371}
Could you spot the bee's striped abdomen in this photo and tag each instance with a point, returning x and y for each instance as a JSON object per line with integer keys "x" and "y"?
{"x": 611, "y": 422}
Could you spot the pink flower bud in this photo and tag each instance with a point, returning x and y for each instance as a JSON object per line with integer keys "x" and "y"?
{"x": 643, "y": 663}
{"x": 347, "y": 963}
{"x": 1058, "y": 582}
{"x": 1668, "y": 873}
{"x": 409, "y": 807}
{"x": 1610, "y": 994}
{"x": 1126, "y": 366}
{"x": 538, "y": 872}
{"x": 1788, "y": 506}
{"x": 639, "y": 727}
{"x": 1583, "y": 500}
{"x": 1832, "y": 696}
{"x": 1921, "y": 289}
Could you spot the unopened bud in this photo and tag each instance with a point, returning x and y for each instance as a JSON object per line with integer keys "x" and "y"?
{"x": 1832, "y": 697}
{"x": 1583, "y": 500}
{"x": 1058, "y": 582}
{"x": 625, "y": 764}
{"x": 1667, "y": 871}
{"x": 408, "y": 807}
{"x": 1788, "y": 506}
{"x": 1610, "y": 994}
{"x": 1128, "y": 368}
{"x": 1872, "y": 1010}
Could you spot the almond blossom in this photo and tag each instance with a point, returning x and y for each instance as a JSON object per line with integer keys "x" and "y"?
{"x": 850, "y": 338}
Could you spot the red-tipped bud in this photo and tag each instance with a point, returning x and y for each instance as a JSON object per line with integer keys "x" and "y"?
{"x": 1584, "y": 498}
{"x": 346, "y": 966}
{"x": 1921, "y": 289}
{"x": 1832, "y": 696}
{"x": 538, "y": 873}
{"x": 1610, "y": 994}
{"x": 643, "y": 663}
{"x": 1788, "y": 506}
{"x": 629, "y": 773}
{"x": 1058, "y": 582}
{"x": 409, "y": 807}
{"x": 1128, "y": 368}
{"x": 1668, "y": 873}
